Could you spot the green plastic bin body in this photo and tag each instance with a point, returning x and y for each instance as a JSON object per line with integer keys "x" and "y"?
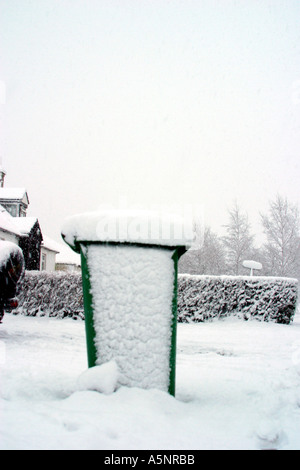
{"x": 130, "y": 305}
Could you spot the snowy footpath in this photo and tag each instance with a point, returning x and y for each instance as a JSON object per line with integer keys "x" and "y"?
{"x": 238, "y": 387}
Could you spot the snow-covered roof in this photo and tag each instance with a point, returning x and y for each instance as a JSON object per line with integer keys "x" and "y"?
{"x": 19, "y": 226}
{"x": 25, "y": 224}
{"x": 67, "y": 256}
{"x": 137, "y": 227}
{"x": 50, "y": 244}
{"x": 7, "y": 222}
{"x": 64, "y": 254}
{"x": 13, "y": 194}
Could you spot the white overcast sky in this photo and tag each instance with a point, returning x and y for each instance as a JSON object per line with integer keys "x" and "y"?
{"x": 149, "y": 103}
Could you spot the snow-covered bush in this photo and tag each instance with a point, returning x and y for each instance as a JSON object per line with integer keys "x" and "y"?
{"x": 200, "y": 298}
{"x": 57, "y": 294}
{"x": 266, "y": 298}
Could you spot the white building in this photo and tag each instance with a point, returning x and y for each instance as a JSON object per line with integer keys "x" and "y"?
{"x": 67, "y": 260}
{"x": 57, "y": 256}
{"x": 15, "y": 201}
{"x": 49, "y": 250}
{"x": 40, "y": 252}
{"x": 8, "y": 229}
{"x": 25, "y": 231}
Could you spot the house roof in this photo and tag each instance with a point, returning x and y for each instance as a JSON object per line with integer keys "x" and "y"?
{"x": 20, "y": 226}
{"x": 15, "y": 194}
{"x": 64, "y": 254}
{"x": 67, "y": 256}
{"x": 7, "y": 222}
{"x": 50, "y": 244}
{"x": 25, "y": 224}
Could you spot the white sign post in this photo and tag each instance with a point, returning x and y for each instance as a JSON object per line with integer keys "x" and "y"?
{"x": 252, "y": 265}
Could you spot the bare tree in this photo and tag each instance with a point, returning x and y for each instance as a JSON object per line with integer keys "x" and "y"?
{"x": 282, "y": 249}
{"x": 238, "y": 242}
{"x": 212, "y": 255}
{"x": 207, "y": 258}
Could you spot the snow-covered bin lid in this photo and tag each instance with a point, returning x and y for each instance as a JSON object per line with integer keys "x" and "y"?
{"x": 135, "y": 227}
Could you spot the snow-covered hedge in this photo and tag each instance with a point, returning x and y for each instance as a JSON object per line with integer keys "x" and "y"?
{"x": 57, "y": 294}
{"x": 202, "y": 298}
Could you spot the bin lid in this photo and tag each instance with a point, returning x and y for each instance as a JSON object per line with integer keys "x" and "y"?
{"x": 129, "y": 226}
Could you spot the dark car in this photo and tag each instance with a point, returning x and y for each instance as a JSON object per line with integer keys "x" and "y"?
{"x": 11, "y": 271}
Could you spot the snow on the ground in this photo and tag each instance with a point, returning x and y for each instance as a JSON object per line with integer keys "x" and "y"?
{"x": 238, "y": 387}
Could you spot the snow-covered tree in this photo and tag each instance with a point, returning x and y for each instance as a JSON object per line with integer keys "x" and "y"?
{"x": 238, "y": 241}
{"x": 212, "y": 256}
{"x": 282, "y": 250}
{"x": 208, "y": 258}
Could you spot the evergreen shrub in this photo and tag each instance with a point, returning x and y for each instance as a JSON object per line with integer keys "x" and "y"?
{"x": 200, "y": 298}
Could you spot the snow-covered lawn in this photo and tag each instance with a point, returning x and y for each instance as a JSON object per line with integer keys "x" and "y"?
{"x": 238, "y": 387}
